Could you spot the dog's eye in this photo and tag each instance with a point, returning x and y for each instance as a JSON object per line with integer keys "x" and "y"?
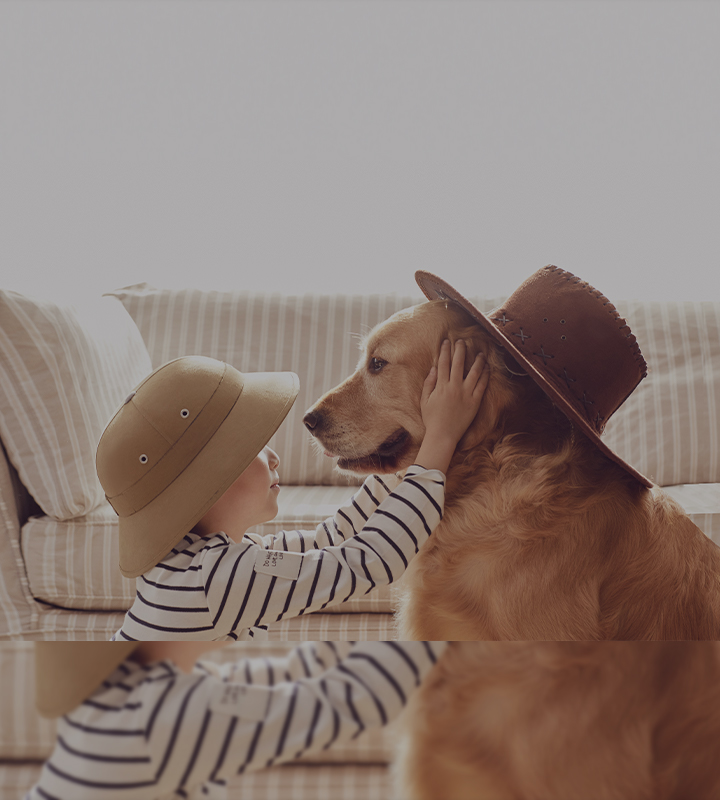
{"x": 376, "y": 364}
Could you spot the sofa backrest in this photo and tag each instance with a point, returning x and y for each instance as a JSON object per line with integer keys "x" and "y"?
{"x": 669, "y": 428}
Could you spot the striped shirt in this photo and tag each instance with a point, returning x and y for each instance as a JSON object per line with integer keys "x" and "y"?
{"x": 154, "y": 732}
{"x": 214, "y": 588}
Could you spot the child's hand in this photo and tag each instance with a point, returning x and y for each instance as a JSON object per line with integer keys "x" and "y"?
{"x": 449, "y": 404}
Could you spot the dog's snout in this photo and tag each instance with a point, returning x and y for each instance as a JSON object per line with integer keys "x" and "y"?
{"x": 313, "y": 421}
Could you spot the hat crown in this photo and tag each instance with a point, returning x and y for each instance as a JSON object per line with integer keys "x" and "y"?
{"x": 162, "y": 426}
{"x": 575, "y": 337}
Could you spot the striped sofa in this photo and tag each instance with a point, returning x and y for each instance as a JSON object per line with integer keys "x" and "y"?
{"x": 355, "y": 771}
{"x": 64, "y": 370}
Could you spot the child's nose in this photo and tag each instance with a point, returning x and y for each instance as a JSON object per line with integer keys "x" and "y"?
{"x": 273, "y": 458}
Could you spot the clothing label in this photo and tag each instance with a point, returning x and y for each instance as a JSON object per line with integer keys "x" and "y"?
{"x": 241, "y": 700}
{"x": 279, "y": 563}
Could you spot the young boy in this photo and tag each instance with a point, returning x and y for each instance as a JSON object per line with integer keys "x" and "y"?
{"x": 184, "y": 463}
{"x": 142, "y": 721}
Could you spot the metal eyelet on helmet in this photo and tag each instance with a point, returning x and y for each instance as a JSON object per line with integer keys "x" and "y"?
{"x": 184, "y": 413}
{"x": 143, "y": 459}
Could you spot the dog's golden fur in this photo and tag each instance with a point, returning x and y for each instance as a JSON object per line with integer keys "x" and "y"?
{"x": 543, "y": 537}
{"x": 565, "y": 721}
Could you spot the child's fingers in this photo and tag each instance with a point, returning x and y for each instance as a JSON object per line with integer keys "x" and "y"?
{"x": 458, "y": 362}
{"x": 482, "y": 383}
{"x": 475, "y": 369}
{"x": 429, "y": 383}
{"x": 443, "y": 367}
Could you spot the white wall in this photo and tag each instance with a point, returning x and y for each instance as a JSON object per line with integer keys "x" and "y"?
{"x": 341, "y": 145}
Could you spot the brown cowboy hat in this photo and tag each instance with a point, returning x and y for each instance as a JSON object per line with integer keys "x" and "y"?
{"x": 570, "y": 340}
{"x": 177, "y": 444}
{"x": 66, "y": 673}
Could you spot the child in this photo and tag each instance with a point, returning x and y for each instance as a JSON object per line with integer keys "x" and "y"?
{"x": 184, "y": 463}
{"x": 141, "y": 721}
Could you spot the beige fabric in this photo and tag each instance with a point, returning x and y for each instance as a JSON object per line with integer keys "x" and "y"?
{"x": 63, "y": 372}
{"x": 17, "y": 777}
{"x": 306, "y": 782}
{"x": 328, "y": 782}
{"x": 669, "y": 428}
{"x": 24, "y": 734}
{"x": 337, "y": 627}
{"x": 701, "y": 502}
{"x": 14, "y": 592}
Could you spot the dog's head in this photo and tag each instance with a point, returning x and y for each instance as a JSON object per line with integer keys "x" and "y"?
{"x": 372, "y": 421}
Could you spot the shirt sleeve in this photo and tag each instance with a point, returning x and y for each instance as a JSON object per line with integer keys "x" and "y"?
{"x": 212, "y": 729}
{"x": 346, "y": 522}
{"x": 248, "y": 585}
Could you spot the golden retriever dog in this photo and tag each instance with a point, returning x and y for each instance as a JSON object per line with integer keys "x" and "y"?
{"x": 565, "y": 721}
{"x": 543, "y": 537}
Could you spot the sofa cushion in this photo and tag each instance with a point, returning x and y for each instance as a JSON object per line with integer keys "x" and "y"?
{"x": 73, "y": 563}
{"x": 64, "y": 370}
{"x": 24, "y": 734}
{"x": 330, "y": 781}
{"x": 669, "y": 428}
{"x": 701, "y": 502}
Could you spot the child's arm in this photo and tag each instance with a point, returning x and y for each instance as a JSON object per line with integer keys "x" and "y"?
{"x": 345, "y": 522}
{"x": 248, "y": 586}
{"x": 214, "y": 730}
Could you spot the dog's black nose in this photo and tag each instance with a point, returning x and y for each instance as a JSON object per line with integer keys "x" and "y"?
{"x": 312, "y": 420}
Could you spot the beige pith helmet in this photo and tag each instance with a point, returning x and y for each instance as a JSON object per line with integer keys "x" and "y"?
{"x": 66, "y": 673}
{"x": 177, "y": 444}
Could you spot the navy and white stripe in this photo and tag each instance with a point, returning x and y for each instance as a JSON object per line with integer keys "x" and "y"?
{"x": 154, "y": 732}
{"x": 208, "y": 587}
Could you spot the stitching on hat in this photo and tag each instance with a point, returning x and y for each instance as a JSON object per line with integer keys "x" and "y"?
{"x": 568, "y": 379}
{"x": 523, "y": 336}
{"x": 542, "y": 354}
{"x": 503, "y": 319}
{"x": 587, "y": 402}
